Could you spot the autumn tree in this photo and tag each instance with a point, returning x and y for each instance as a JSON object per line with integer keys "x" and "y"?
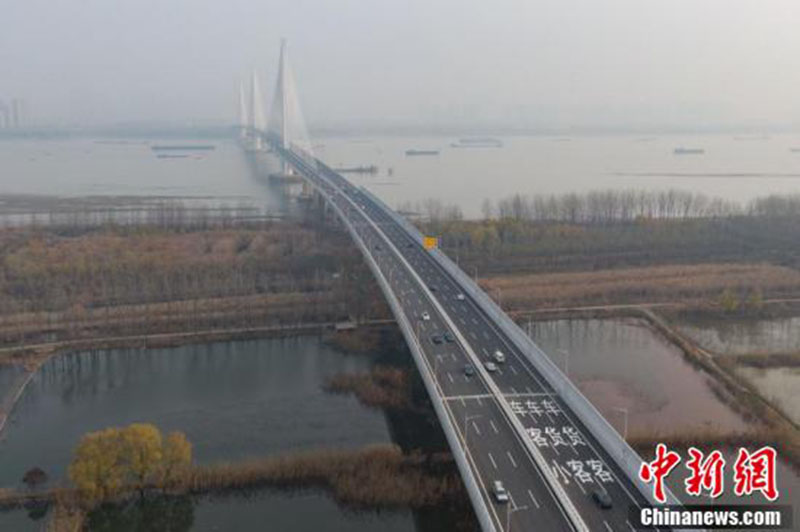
{"x": 729, "y": 301}
{"x": 176, "y": 457}
{"x": 142, "y": 452}
{"x": 110, "y": 462}
{"x": 97, "y": 469}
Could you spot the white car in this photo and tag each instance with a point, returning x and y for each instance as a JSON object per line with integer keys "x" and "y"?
{"x": 499, "y": 492}
{"x": 490, "y": 366}
{"x": 499, "y": 357}
{"x": 426, "y": 316}
{"x": 460, "y": 297}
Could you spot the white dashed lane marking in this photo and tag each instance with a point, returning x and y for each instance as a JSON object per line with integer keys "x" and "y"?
{"x": 535, "y": 502}
{"x": 511, "y": 458}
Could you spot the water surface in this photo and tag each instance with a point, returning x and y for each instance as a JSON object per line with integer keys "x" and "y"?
{"x": 779, "y": 385}
{"x": 623, "y": 366}
{"x": 745, "y": 336}
{"x": 84, "y": 167}
{"x": 232, "y": 399}
{"x": 733, "y": 169}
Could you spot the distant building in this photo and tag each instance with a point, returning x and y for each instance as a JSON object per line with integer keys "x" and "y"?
{"x": 12, "y": 114}
{"x": 5, "y": 116}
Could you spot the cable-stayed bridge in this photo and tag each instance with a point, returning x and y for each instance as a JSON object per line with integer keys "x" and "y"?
{"x": 518, "y": 421}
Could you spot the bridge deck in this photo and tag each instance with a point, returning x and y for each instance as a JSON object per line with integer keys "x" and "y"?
{"x": 545, "y": 443}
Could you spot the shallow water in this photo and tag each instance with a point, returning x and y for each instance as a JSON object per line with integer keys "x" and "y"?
{"x": 621, "y": 365}
{"x": 779, "y": 385}
{"x": 745, "y": 336}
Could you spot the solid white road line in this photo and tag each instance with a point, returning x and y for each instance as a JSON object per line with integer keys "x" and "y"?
{"x": 491, "y": 459}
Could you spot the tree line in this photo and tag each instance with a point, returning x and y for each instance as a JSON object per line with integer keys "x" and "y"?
{"x": 608, "y": 206}
{"x": 613, "y": 229}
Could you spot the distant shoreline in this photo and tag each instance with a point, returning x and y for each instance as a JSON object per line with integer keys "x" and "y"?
{"x": 721, "y": 175}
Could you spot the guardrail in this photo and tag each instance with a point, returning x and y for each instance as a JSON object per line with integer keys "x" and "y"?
{"x": 623, "y": 455}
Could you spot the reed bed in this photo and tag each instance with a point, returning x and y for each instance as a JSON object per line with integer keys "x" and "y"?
{"x": 380, "y": 387}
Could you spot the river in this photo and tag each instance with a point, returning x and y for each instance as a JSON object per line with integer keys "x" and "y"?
{"x": 732, "y": 168}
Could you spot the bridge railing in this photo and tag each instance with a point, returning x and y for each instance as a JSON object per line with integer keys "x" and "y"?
{"x": 625, "y": 457}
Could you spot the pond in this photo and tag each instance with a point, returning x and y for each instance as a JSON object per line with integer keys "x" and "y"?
{"x": 779, "y": 385}
{"x": 623, "y": 366}
{"x": 232, "y": 399}
{"x": 745, "y": 336}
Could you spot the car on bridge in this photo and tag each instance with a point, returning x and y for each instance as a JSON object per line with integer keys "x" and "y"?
{"x": 499, "y": 492}
{"x": 426, "y": 316}
{"x": 469, "y": 370}
{"x": 436, "y": 338}
{"x": 499, "y": 357}
{"x": 602, "y": 499}
{"x": 490, "y": 366}
{"x": 460, "y": 297}
{"x": 448, "y": 337}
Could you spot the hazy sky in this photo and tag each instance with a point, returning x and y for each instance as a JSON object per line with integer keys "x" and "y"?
{"x": 528, "y": 62}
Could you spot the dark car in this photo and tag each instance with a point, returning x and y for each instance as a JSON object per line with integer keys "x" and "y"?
{"x": 469, "y": 370}
{"x": 432, "y": 288}
{"x": 436, "y": 338}
{"x": 602, "y": 499}
{"x": 449, "y": 337}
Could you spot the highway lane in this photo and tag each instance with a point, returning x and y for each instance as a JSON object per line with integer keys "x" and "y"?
{"x": 493, "y": 447}
{"x": 493, "y": 444}
{"x": 579, "y": 461}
